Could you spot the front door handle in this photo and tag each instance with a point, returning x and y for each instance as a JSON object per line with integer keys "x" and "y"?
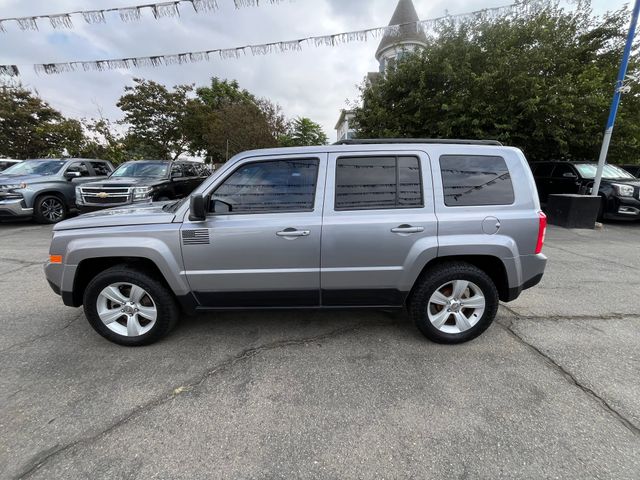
{"x": 407, "y": 229}
{"x": 292, "y": 232}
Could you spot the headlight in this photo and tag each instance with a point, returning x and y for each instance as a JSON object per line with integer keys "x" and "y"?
{"x": 13, "y": 186}
{"x": 141, "y": 193}
{"x": 623, "y": 190}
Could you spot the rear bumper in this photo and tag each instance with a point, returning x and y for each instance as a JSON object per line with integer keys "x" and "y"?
{"x": 14, "y": 209}
{"x": 532, "y": 272}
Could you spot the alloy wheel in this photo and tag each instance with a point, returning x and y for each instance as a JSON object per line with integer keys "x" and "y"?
{"x": 52, "y": 209}
{"x": 126, "y": 309}
{"x": 456, "y": 306}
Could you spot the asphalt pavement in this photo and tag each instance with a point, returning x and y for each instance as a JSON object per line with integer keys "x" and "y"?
{"x": 551, "y": 390}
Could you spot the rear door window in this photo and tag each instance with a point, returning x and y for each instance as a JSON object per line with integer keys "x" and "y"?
{"x": 544, "y": 170}
{"x": 470, "y": 180}
{"x": 101, "y": 169}
{"x": 370, "y": 183}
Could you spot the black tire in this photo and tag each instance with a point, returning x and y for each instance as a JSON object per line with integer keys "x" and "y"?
{"x": 162, "y": 297}
{"x": 438, "y": 276}
{"x": 50, "y": 209}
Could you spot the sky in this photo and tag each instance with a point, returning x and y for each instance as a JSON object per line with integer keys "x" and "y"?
{"x": 314, "y": 82}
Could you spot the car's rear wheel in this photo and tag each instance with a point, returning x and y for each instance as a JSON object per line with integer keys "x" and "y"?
{"x": 129, "y": 307}
{"x": 454, "y": 302}
{"x": 49, "y": 209}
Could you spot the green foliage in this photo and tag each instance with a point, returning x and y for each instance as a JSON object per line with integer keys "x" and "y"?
{"x": 302, "y": 132}
{"x": 157, "y": 119}
{"x": 31, "y": 128}
{"x": 540, "y": 81}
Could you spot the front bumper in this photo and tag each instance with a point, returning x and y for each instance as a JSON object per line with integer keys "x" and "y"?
{"x": 14, "y": 208}
{"x": 623, "y": 208}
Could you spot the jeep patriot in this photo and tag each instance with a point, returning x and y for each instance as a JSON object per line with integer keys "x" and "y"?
{"x": 445, "y": 228}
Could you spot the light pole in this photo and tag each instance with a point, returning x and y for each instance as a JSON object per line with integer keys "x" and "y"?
{"x": 616, "y": 100}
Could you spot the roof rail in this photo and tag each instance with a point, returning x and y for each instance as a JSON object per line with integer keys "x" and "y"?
{"x": 373, "y": 141}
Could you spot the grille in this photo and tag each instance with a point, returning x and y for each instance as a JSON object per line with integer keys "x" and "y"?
{"x": 105, "y": 195}
{"x": 195, "y": 237}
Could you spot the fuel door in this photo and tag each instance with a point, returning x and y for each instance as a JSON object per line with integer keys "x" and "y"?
{"x": 490, "y": 225}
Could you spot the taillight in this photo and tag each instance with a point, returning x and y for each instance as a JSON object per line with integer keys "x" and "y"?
{"x": 542, "y": 230}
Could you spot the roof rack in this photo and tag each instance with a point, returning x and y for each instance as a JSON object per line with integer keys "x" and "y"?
{"x": 373, "y": 141}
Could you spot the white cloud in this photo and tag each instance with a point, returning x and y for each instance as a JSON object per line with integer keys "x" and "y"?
{"x": 315, "y": 82}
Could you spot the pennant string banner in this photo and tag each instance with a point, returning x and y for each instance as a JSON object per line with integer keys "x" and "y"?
{"x": 127, "y": 14}
{"x": 427, "y": 26}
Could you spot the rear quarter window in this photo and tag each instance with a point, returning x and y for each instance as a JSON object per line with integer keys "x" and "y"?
{"x": 470, "y": 180}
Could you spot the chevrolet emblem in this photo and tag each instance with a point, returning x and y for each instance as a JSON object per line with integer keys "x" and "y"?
{"x": 102, "y": 195}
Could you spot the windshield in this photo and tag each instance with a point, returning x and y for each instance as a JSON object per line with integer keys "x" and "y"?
{"x": 35, "y": 167}
{"x": 142, "y": 169}
{"x": 588, "y": 170}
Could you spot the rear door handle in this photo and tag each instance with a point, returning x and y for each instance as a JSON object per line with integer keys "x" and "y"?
{"x": 292, "y": 232}
{"x": 407, "y": 229}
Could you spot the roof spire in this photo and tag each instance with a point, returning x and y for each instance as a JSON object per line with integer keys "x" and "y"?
{"x": 405, "y": 13}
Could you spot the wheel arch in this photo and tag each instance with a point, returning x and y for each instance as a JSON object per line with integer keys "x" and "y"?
{"x": 493, "y": 266}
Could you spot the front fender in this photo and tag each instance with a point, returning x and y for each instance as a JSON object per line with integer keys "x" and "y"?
{"x": 163, "y": 249}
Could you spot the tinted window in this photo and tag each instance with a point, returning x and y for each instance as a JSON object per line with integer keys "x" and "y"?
{"x": 544, "y": 169}
{"x": 176, "y": 170}
{"x": 561, "y": 169}
{"x": 364, "y": 183}
{"x": 276, "y": 186}
{"x": 100, "y": 168}
{"x": 79, "y": 167}
{"x": 475, "y": 180}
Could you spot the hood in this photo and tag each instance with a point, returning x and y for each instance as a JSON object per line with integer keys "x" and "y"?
{"x": 8, "y": 179}
{"x": 126, "y": 182}
{"x": 148, "y": 214}
{"x": 623, "y": 181}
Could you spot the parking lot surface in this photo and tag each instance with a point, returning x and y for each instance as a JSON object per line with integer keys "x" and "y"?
{"x": 549, "y": 391}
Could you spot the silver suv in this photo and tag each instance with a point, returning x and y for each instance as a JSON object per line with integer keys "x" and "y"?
{"x": 445, "y": 228}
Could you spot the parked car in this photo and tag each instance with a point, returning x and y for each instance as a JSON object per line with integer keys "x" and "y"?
{"x": 619, "y": 190}
{"x": 142, "y": 181}
{"x": 445, "y": 228}
{"x": 6, "y": 163}
{"x": 45, "y": 189}
{"x": 632, "y": 169}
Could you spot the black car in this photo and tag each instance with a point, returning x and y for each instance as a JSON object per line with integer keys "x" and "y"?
{"x": 142, "y": 181}
{"x": 619, "y": 190}
{"x": 632, "y": 169}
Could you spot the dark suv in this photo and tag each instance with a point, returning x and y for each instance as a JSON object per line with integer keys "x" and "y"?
{"x": 619, "y": 190}
{"x": 142, "y": 181}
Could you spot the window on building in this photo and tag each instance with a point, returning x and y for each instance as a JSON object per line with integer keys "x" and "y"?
{"x": 367, "y": 183}
{"x": 274, "y": 186}
{"x": 475, "y": 180}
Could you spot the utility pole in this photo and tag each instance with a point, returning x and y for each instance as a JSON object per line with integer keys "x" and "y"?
{"x": 616, "y": 100}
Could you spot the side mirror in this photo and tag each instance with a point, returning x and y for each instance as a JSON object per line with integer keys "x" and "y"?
{"x": 176, "y": 175}
{"x": 220, "y": 207}
{"x": 197, "y": 210}
{"x": 71, "y": 175}
{"x": 569, "y": 175}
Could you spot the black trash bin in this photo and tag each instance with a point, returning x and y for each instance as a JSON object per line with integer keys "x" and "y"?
{"x": 570, "y": 210}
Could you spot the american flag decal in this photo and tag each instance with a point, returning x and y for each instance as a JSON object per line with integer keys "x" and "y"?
{"x": 195, "y": 237}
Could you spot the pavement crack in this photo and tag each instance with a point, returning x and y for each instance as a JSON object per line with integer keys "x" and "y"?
{"x": 46, "y": 334}
{"x": 196, "y": 382}
{"x": 634, "y": 429}
{"x": 21, "y": 262}
{"x": 609, "y": 316}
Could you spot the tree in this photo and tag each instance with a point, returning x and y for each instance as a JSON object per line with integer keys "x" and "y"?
{"x": 157, "y": 119}
{"x": 225, "y": 119}
{"x": 31, "y": 128}
{"x": 541, "y": 81}
{"x": 302, "y": 132}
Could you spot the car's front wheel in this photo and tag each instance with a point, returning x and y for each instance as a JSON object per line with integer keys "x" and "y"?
{"x": 454, "y": 303}
{"x": 49, "y": 209}
{"x": 129, "y": 307}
